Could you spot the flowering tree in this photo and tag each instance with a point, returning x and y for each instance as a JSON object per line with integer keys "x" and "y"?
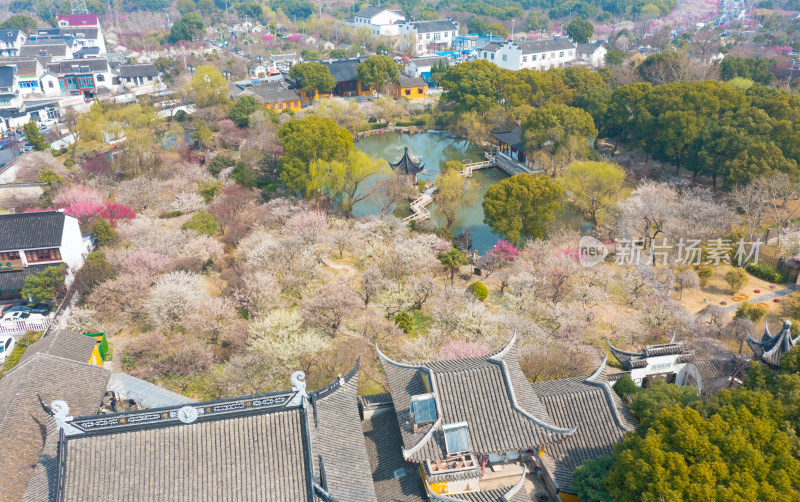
{"x": 330, "y": 306}
{"x": 501, "y": 255}
{"x": 172, "y": 297}
{"x": 282, "y": 335}
{"x": 77, "y": 194}
{"x": 145, "y": 262}
{"x": 309, "y": 225}
{"x": 459, "y": 349}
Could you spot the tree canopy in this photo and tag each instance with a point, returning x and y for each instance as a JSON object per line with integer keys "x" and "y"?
{"x": 242, "y": 109}
{"x": 20, "y": 22}
{"x": 209, "y": 87}
{"x": 186, "y": 28}
{"x": 580, "y": 30}
{"x": 521, "y": 207}
{"x": 377, "y": 71}
{"x": 313, "y": 77}
{"x": 593, "y": 185}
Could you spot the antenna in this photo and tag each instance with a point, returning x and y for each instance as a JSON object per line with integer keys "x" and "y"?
{"x": 79, "y": 7}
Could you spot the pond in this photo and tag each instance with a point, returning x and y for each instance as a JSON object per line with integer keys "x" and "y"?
{"x": 435, "y": 149}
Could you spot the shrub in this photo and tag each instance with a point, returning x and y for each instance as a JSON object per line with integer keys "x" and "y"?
{"x": 735, "y": 279}
{"x": 46, "y": 286}
{"x": 19, "y": 349}
{"x": 750, "y": 311}
{"x": 219, "y": 163}
{"x": 245, "y": 175}
{"x": 705, "y": 272}
{"x": 478, "y": 289}
{"x": 94, "y": 271}
{"x": 210, "y": 190}
{"x": 202, "y": 223}
{"x": 792, "y": 306}
{"x": 104, "y": 233}
{"x": 766, "y": 272}
{"x": 625, "y": 387}
{"x": 404, "y": 321}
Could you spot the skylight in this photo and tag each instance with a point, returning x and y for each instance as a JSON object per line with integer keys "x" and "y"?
{"x": 423, "y": 406}
{"x": 456, "y": 437}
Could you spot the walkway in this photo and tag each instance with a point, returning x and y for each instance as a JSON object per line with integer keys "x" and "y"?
{"x": 765, "y": 298}
{"x": 418, "y": 209}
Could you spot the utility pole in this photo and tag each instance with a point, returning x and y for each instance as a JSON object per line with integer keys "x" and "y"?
{"x": 791, "y": 71}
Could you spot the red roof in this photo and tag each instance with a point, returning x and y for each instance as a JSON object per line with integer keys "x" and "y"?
{"x": 79, "y": 19}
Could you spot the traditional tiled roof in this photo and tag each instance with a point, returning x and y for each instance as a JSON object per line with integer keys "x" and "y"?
{"x": 22, "y": 422}
{"x": 631, "y": 360}
{"x": 83, "y": 65}
{"x": 491, "y": 46}
{"x": 406, "y": 165}
{"x": 271, "y": 92}
{"x": 283, "y": 446}
{"x": 43, "y": 50}
{"x": 395, "y": 479}
{"x": 138, "y": 70}
{"x": 489, "y": 393}
{"x": 145, "y": 393}
{"x": 516, "y": 493}
{"x": 722, "y": 373}
{"x": 31, "y": 230}
{"x": 406, "y": 82}
{"x": 9, "y": 36}
{"x": 771, "y": 348}
{"x": 588, "y": 48}
{"x": 86, "y": 51}
{"x": 371, "y": 12}
{"x": 63, "y": 343}
{"x": 6, "y": 78}
{"x": 430, "y": 61}
{"x": 42, "y": 486}
{"x": 343, "y": 70}
{"x": 512, "y": 138}
{"x": 434, "y": 26}
{"x": 591, "y": 404}
{"x": 537, "y": 46}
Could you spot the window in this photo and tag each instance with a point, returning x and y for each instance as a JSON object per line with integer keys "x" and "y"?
{"x": 524, "y": 59}
{"x": 505, "y": 57}
{"x": 570, "y": 54}
{"x": 456, "y": 437}
{"x": 400, "y": 473}
{"x": 9, "y": 255}
{"x": 420, "y": 90}
{"x": 561, "y": 54}
{"x": 50, "y": 84}
{"x": 552, "y": 55}
{"x": 408, "y": 92}
{"x": 5, "y": 101}
{"x": 101, "y": 77}
{"x": 38, "y": 255}
{"x": 427, "y": 36}
{"x": 533, "y": 58}
{"x": 485, "y": 55}
{"x": 423, "y": 407}
{"x": 493, "y": 55}
{"x": 661, "y": 366}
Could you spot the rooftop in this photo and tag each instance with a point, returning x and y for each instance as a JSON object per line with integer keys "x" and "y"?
{"x": 407, "y": 165}
{"x": 512, "y": 138}
{"x": 79, "y": 19}
{"x": 271, "y": 92}
{"x": 490, "y": 393}
{"x": 630, "y": 360}
{"x": 138, "y": 70}
{"x": 343, "y": 70}
{"x": 435, "y": 25}
{"x": 283, "y": 446}
{"x": 31, "y": 230}
{"x": 770, "y": 348}
{"x": 537, "y": 46}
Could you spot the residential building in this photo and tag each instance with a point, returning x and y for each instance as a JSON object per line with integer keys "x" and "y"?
{"x": 43, "y": 111}
{"x": 55, "y": 368}
{"x": 476, "y": 426}
{"x": 532, "y": 54}
{"x": 31, "y": 242}
{"x": 274, "y": 95}
{"x": 51, "y": 51}
{"x": 592, "y": 54}
{"x": 26, "y": 73}
{"x": 381, "y": 21}
{"x": 50, "y": 84}
{"x": 134, "y": 75}
{"x": 421, "y": 67}
{"x": 283, "y": 446}
{"x": 82, "y": 76}
{"x": 10, "y": 95}
{"x": 344, "y": 73}
{"x": 77, "y": 20}
{"x": 431, "y": 36}
{"x": 410, "y": 87}
{"x": 713, "y": 375}
{"x": 10, "y": 42}
{"x": 80, "y": 36}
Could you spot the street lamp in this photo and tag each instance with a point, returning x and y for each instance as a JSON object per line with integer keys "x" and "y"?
{"x": 227, "y": 75}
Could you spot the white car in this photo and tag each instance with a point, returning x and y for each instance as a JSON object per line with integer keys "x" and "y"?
{"x": 21, "y": 316}
{"x": 7, "y": 344}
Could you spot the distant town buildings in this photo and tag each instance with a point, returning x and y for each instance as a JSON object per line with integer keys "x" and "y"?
{"x": 431, "y": 36}
{"x": 379, "y": 20}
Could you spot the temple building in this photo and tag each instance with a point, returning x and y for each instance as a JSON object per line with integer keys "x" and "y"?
{"x": 770, "y": 348}
{"x": 407, "y": 166}
{"x": 284, "y": 446}
{"x": 475, "y": 424}
{"x": 511, "y": 144}
{"x": 665, "y": 361}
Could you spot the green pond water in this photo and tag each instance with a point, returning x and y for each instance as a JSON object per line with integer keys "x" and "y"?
{"x": 435, "y": 149}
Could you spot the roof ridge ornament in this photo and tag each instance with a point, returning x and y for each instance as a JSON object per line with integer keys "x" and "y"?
{"x": 299, "y": 386}
{"x": 60, "y": 412}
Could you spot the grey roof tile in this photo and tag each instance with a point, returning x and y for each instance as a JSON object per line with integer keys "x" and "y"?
{"x": 62, "y": 343}
{"x": 31, "y": 230}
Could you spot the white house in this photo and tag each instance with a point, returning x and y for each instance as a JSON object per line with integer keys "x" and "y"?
{"x": 592, "y": 54}
{"x": 431, "y": 36}
{"x": 48, "y": 83}
{"x": 10, "y": 97}
{"x": 666, "y": 362}
{"x": 421, "y": 67}
{"x": 533, "y": 54}
{"x": 26, "y": 73}
{"x": 31, "y": 242}
{"x": 381, "y": 21}
{"x": 83, "y": 76}
{"x": 134, "y": 75}
{"x": 10, "y": 42}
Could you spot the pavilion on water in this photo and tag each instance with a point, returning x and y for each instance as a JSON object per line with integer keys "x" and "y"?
{"x": 407, "y": 166}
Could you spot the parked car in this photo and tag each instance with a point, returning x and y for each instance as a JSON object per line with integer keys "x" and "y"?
{"x": 39, "y": 308}
{"x": 7, "y": 344}
{"x": 21, "y": 316}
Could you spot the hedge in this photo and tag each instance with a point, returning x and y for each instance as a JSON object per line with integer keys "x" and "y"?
{"x": 479, "y": 290}
{"x": 19, "y": 349}
{"x": 766, "y": 272}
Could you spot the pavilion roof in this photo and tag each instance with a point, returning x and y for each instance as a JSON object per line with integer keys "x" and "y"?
{"x": 407, "y": 165}
{"x": 630, "y": 360}
{"x": 771, "y": 348}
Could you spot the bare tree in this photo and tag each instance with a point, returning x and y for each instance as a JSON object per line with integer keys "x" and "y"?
{"x": 750, "y": 199}
{"x": 778, "y": 190}
{"x": 389, "y": 192}
{"x": 739, "y": 328}
{"x": 330, "y": 306}
{"x": 687, "y": 279}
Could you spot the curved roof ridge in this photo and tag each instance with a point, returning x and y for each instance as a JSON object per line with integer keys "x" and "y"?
{"x": 384, "y": 357}
{"x": 325, "y": 391}
{"x": 607, "y": 390}
{"x": 515, "y": 403}
{"x": 615, "y": 350}
{"x": 505, "y": 350}
{"x": 507, "y": 496}
{"x": 407, "y": 453}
